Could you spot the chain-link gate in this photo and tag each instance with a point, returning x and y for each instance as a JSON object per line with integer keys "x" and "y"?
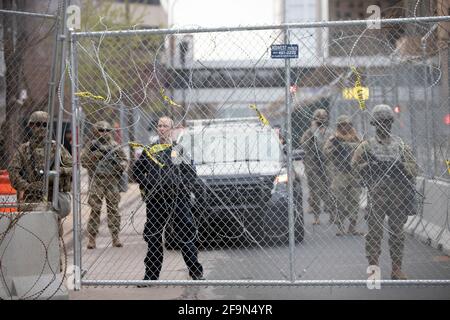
{"x": 203, "y": 156}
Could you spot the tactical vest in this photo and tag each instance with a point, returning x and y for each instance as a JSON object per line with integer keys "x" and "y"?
{"x": 109, "y": 163}
{"x": 35, "y": 167}
{"x": 386, "y": 152}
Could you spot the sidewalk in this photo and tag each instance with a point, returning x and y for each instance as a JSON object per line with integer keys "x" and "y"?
{"x": 128, "y": 293}
{"x": 131, "y": 196}
{"x": 260, "y": 293}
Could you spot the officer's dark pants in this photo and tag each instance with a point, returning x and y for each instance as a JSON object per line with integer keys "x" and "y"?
{"x": 159, "y": 213}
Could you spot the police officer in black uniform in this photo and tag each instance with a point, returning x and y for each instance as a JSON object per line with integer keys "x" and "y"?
{"x": 164, "y": 180}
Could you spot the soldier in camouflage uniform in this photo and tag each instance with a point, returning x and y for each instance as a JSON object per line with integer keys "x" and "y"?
{"x": 315, "y": 167}
{"x": 27, "y": 166}
{"x": 339, "y": 149}
{"x": 388, "y": 168}
{"x": 105, "y": 162}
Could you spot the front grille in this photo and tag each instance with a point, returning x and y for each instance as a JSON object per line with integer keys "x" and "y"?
{"x": 238, "y": 192}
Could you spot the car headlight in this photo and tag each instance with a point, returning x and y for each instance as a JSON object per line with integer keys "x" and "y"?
{"x": 282, "y": 178}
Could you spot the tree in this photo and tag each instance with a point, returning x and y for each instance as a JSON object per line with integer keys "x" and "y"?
{"x": 123, "y": 71}
{"x": 27, "y": 46}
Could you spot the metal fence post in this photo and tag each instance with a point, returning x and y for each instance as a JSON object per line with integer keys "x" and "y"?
{"x": 76, "y": 166}
{"x": 62, "y": 38}
{"x": 423, "y": 42}
{"x": 51, "y": 99}
{"x": 412, "y": 117}
{"x": 287, "y": 64}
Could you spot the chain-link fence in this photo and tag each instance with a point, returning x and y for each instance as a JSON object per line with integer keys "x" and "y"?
{"x": 31, "y": 236}
{"x": 203, "y": 155}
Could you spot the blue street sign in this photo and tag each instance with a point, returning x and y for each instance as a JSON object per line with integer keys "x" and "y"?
{"x": 284, "y": 51}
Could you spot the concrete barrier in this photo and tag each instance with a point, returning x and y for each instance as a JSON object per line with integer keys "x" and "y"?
{"x": 30, "y": 256}
{"x": 432, "y": 223}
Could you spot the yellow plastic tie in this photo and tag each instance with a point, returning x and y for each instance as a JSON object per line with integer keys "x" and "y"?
{"x": 359, "y": 89}
{"x": 86, "y": 94}
{"x": 448, "y": 165}
{"x": 261, "y": 117}
{"x": 168, "y": 100}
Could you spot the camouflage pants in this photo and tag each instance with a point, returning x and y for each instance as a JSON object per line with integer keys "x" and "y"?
{"x": 319, "y": 189}
{"x": 385, "y": 202}
{"x": 346, "y": 193}
{"x": 104, "y": 189}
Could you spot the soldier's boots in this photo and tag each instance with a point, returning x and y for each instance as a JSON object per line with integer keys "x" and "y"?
{"x": 91, "y": 243}
{"x": 397, "y": 273}
{"x": 116, "y": 242}
{"x": 316, "y": 220}
{"x": 333, "y": 219}
{"x": 341, "y": 230}
{"x": 352, "y": 228}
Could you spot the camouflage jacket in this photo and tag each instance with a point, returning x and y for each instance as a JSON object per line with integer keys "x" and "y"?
{"x": 384, "y": 163}
{"x": 339, "y": 153}
{"x": 312, "y": 142}
{"x": 104, "y": 160}
{"x": 27, "y": 167}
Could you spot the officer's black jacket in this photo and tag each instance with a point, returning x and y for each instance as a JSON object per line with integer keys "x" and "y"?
{"x": 157, "y": 182}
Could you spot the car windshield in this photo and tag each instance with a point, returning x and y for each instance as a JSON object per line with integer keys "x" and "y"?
{"x": 218, "y": 145}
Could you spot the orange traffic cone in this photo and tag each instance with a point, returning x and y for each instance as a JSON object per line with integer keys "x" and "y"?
{"x": 8, "y": 195}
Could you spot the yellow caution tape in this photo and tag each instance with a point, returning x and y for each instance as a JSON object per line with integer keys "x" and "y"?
{"x": 359, "y": 89}
{"x": 146, "y": 149}
{"x": 263, "y": 119}
{"x": 352, "y": 93}
{"x": 86, "y": 94}
{"x": 167, "y": 99}
{"x": 159, "y": 147}
{"x": 448, "y": 165}
{"x": 150, "y": 151}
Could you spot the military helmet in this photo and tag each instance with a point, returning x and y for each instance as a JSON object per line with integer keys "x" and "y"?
{"x": 103, "y": 126}
{"x": 382, "y": 112}
{"x": 343, "y": 119}
{"x": 320, "y": 115}
{"x": 38, "y": 116}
